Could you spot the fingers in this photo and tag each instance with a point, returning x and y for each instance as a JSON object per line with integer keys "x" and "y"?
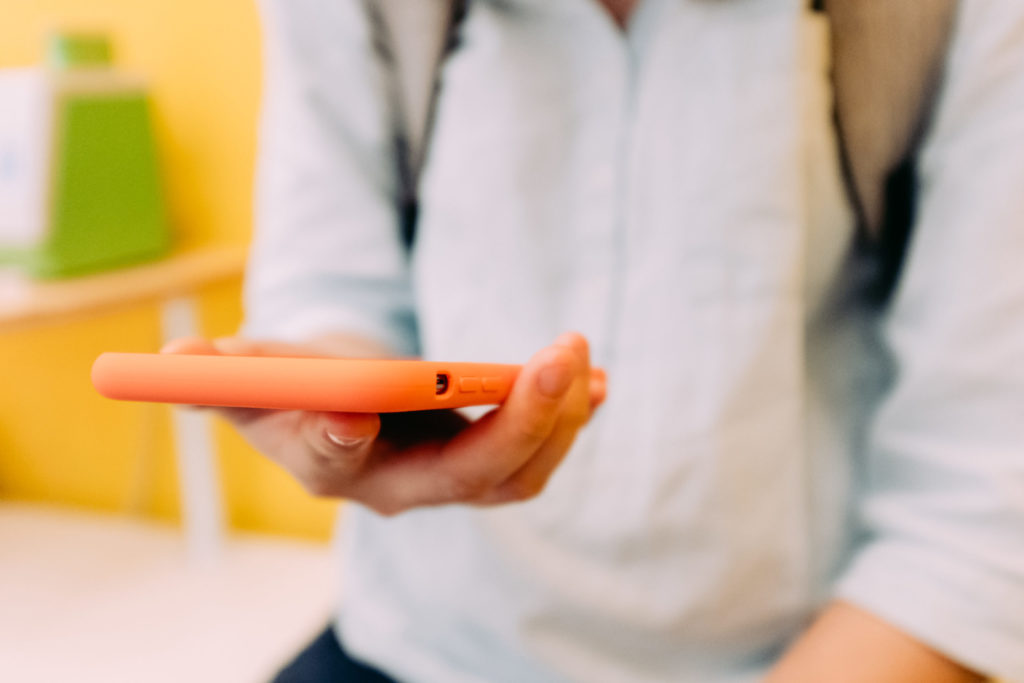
{"x": 331, "y": 450}
{"x": 347, "y": 431}
{"x": 426, "y": 459}
{"x": 535, "y": 425}
{"x": 529, "y": 480}
{"x": 325, "y": 452}
{"x": 492, "y": 450}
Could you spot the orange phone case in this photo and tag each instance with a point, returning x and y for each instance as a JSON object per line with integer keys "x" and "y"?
{"x": 329, "y": 384}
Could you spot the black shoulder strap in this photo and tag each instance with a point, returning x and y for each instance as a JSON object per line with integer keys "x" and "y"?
{"x": 888, "y": 58}
{"x": 413, "y": 37}
{"x": 887, "y": 62}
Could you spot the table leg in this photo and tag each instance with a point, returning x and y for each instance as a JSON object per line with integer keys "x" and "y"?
{"x": 201, "y": 504}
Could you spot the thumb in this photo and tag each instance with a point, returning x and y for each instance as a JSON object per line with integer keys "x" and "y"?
{"x": 340, "y": 439}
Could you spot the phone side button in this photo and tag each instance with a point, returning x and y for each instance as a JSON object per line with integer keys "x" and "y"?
{"x": 469, "y": 384}
{"x": 492, "y": 384}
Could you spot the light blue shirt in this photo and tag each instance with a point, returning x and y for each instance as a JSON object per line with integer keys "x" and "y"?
{"x": 674, "y": 193}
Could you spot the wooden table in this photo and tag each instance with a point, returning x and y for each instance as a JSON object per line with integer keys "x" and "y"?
{"x": 25, "y": 303}
{"x": 173, "y": 283}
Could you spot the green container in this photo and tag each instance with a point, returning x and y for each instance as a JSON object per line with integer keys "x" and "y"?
{"x": 99, "y": 184}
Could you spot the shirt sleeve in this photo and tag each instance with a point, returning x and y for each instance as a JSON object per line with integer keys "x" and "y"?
{"x": 327, "y": 254}
{"x": 943, "y": 509}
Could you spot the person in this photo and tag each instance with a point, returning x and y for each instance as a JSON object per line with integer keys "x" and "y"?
{"x": 776, "y": 479}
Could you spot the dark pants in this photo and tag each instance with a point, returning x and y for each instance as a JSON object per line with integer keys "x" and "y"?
{"x": 324, "y": 661}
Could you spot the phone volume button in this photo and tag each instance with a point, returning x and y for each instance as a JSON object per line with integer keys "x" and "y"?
{"x": 492, "y": 384}
{"x": 469, "y": 384}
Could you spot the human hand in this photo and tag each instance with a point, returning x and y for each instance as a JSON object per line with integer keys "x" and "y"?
{"x": 395, "y": 462}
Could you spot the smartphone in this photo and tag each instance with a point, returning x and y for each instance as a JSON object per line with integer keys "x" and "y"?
{"x": 319, "y": 384}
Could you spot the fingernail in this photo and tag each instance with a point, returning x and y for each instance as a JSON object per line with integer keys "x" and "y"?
{"x": 554, "y": 380}
{"x": 349, "y": 442}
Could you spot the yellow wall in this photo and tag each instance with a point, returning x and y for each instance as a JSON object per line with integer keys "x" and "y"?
{"x": 60, "y": 442}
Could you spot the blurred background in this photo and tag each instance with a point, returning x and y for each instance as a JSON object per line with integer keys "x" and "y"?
{"x": 136, "y": 543}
